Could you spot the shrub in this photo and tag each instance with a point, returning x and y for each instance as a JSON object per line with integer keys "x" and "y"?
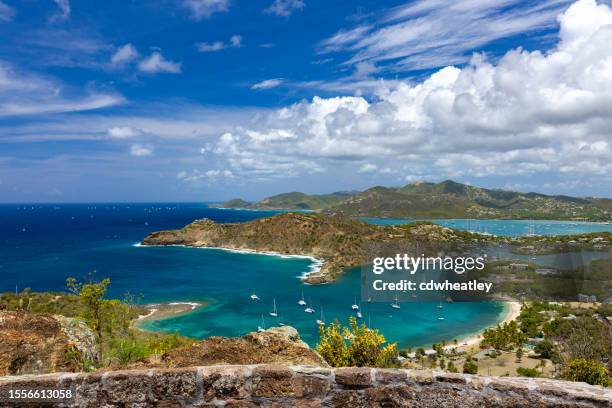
{"x": 589, "y": 371}
{"x": 470, "y": 367}
{"x": 126, "y": 351}
{"x": 527, "y": 372}
{"x": 355, "y": 345}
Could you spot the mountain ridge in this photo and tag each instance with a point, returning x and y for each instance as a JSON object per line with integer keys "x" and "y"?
{"x": 447, "y": 199}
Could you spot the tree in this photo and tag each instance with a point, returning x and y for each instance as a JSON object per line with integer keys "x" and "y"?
{"x": 544, "y": 348}
{"x": 92, "y": 296}
{"x": 451, "y": 367}
{"x": 519, "y": 354}
{"x": 470, "y": 367}
{"x": 589, "y": 371}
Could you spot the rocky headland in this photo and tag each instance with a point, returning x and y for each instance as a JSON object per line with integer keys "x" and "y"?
{"x": 337, "y": 241}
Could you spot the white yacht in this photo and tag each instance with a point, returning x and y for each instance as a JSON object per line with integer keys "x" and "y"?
{"x": 395, "y": 304}
{"x": 254, "y": 296}
{"x": 302, "y": 302}
{"x": 321, "y": 321}
{"x": 355, "y": 306}
{"x": 274, "y": 312}
{"x": 309, "y": 309}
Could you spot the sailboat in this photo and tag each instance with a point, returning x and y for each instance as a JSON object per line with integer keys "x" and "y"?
{"x": 355, "y": 306}
{"x": 309, "y": 309}
{"x": 321, "y": 321}
{"x": 254, "y": 296}
{"x": 395, "y": 304}
{"x": 302, "y": 302}
{"x": 274, "y": 312}
{"x": 358, "y": 314}
{"x": 440, "y": 306}
{"x": 262, "y": 328}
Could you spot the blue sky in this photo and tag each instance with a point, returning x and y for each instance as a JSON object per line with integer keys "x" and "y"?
{"x": 205, "y": 100}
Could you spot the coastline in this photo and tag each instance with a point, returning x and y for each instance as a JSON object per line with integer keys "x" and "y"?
{"x": 160, "y": 311}
{"x": 512, "y": 310}
{"x": 315, "y": 266}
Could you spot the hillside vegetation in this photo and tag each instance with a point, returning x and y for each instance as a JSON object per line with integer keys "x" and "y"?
{"x": 292, "y": 201}
{"x": 447, "y": 199}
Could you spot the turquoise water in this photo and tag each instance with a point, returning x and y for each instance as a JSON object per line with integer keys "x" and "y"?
{"x": 232, "y": 313}
{"x": 508, "y": 228}
{"x": 42, "y": 245}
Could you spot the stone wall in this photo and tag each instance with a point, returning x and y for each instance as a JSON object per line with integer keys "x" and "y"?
{"x": 300, "y": 386}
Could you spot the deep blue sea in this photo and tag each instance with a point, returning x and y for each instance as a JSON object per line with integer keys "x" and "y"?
{"x": 42, "y": 245}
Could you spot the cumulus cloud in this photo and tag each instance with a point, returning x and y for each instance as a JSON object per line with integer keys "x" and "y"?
{"x": 235, "y": 41}
{"x": 124, "y": 54}
{"x": 268, "y": 83}
{"x": 7, "y": 13}
{"x": 211, "y": 175}
{"x": 63, "y": 12}
{"x": 532, "y": 112}
{"x": 140, "y": 150}
{"x": 122, "y": 132}
{"x": 205, "y": 8}
{"x": 156, "y": 63}
{"x": 285, "y": 8}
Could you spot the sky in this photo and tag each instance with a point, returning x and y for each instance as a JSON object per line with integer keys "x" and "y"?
{"x": 206, "y": 100}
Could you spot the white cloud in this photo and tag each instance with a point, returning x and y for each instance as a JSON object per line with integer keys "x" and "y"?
{"x": 24, "y": 93}
{"x": 156, "y": 63}
{"x": 122, "y": 132}
{"x": 63, "y": 12}
{"x": 268, "y": 83}
{"x": 211, "y": 175}
{"x": 124, "y": 54}
{"x": 205, "y": 8}
{"x": 140, "y": 150}
{"x": 428, "y": 34}
{"x": 7, "y": 13}
{"x": 368, "y": 168}
{"x": 530, "y": 113}
{"x": 285, "y": 8}
{"x": 235, "y": 41}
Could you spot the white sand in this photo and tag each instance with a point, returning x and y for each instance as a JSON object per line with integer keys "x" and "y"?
{"x": 513, "y": 310}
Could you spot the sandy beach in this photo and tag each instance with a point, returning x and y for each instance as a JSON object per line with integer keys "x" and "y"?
{"x": 513, "y": 310}
{"x": 162, "y": 310}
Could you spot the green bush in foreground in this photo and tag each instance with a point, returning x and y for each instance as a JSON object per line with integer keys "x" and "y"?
{"x": 589, "y": 371}
{"x": 355, "y": 346}
{"x": 527, "y": 372}
{"x": 470, "y": 367}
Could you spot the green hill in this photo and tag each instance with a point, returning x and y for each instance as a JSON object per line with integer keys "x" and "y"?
{"x": 292, "y": 201}
{"x": 447, "y": 199}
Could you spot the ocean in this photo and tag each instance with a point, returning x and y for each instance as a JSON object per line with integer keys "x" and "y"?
{"x": 42, "y": 245}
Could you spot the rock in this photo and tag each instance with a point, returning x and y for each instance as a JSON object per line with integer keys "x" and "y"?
{"x": 273, "y": 385}
{"x": 39, "y": 343}
{"x": 277, "y": 345}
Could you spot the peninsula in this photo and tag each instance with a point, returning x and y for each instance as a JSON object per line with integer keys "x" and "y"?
{"x": 336, "y": 241}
